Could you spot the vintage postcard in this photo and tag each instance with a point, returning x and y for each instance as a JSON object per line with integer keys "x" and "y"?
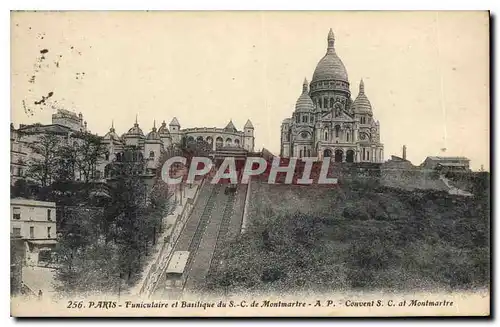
{"x": 182, "y": 164}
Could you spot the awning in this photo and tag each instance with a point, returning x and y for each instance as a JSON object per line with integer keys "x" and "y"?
{"x": 43, "y": 242}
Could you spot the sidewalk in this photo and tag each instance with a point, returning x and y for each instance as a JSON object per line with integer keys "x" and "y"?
{"x": 168, "y": 223}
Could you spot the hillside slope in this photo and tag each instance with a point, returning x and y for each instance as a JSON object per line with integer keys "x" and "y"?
{"x": 359, "y": 235}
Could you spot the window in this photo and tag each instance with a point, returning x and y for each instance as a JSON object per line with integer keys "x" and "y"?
{"x": 347, "y": 136}
{"x": 308, "y": 152}
{"x": 337, "y": 130}
{"x": 312, "y": 119}
{"x": 16, "y": 232}
{"x": 32, "y": 232}
{"x": 48, "y": 231}
{"x": 297, "y": 119}
{"x": 331, "y": 102}
{"x": 325, "y": 105}
{"x": 326, "y": 136}
{"x": 151, "y": 154}
{"x": 300, "y": 155}
{"x": 16, "y": 213}
{"x": 367, "y": 155}
{"x": 304, "y": 119}
{"x": 364, "y": 154}
{"x": 49, "y": 217}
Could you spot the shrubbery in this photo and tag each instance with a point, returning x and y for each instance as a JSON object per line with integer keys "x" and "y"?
{"x": 371, "y": 238}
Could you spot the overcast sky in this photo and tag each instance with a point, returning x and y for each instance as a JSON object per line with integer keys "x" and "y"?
{"x": 426, "y": 73}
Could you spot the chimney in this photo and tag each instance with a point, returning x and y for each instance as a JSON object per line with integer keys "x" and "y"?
{"x": 404, "y": 152}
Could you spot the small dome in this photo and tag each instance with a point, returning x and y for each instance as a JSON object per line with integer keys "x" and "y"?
{"x": 362, "y": 104}
{"x": 153, "y": 135}
{"x": 135, "y": 131}
{"x": 163, "y": 130}
{"x": 304, "y": 102}
{"x": 111, "y": 135}
{"x": 330, "y": 67}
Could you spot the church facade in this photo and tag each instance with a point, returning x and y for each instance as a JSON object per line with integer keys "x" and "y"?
{"x": 327, "y": 123}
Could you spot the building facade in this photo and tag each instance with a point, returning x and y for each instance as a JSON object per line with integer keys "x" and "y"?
{"x": 35, "y": 223}
{"x": 446, "y": 163}
{"x": 326, "y": 122}
{"x": 156, "y": 141}
{"x": 68, "y": 126}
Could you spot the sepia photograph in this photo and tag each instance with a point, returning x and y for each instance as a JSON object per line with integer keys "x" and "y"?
{"x": 250, "y": 163}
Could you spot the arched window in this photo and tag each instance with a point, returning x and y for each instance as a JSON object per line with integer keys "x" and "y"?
{"x": 210, "y": 140}
{"x": 368, "y": 155}
{"x": 199, "y": 139}
{"x": 219, "y": 142}
{"x": 304, "y": 119}
{"x": 347, "y": 136}
{"x": 229, "y": 141}
{"x": 337, "y": 130}
{"x": 326, "y": 135}
{"x": 151, "y": 154}
{"x": 237, "y": 142}
{"x": 331, "y": 102}
{"x": 325, "y": 105}
{"x": 320, "y": 103}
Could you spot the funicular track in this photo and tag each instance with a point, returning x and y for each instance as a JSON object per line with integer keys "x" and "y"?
{"x": 202, "y": 224}
{"x": 223, "y": 229}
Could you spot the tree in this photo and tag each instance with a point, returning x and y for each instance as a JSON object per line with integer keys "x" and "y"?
{"x": 90, "y": 150}
{"x": 42, "y": 166}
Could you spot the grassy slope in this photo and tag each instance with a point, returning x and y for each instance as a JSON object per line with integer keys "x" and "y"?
{"x": 358, "y": 236}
